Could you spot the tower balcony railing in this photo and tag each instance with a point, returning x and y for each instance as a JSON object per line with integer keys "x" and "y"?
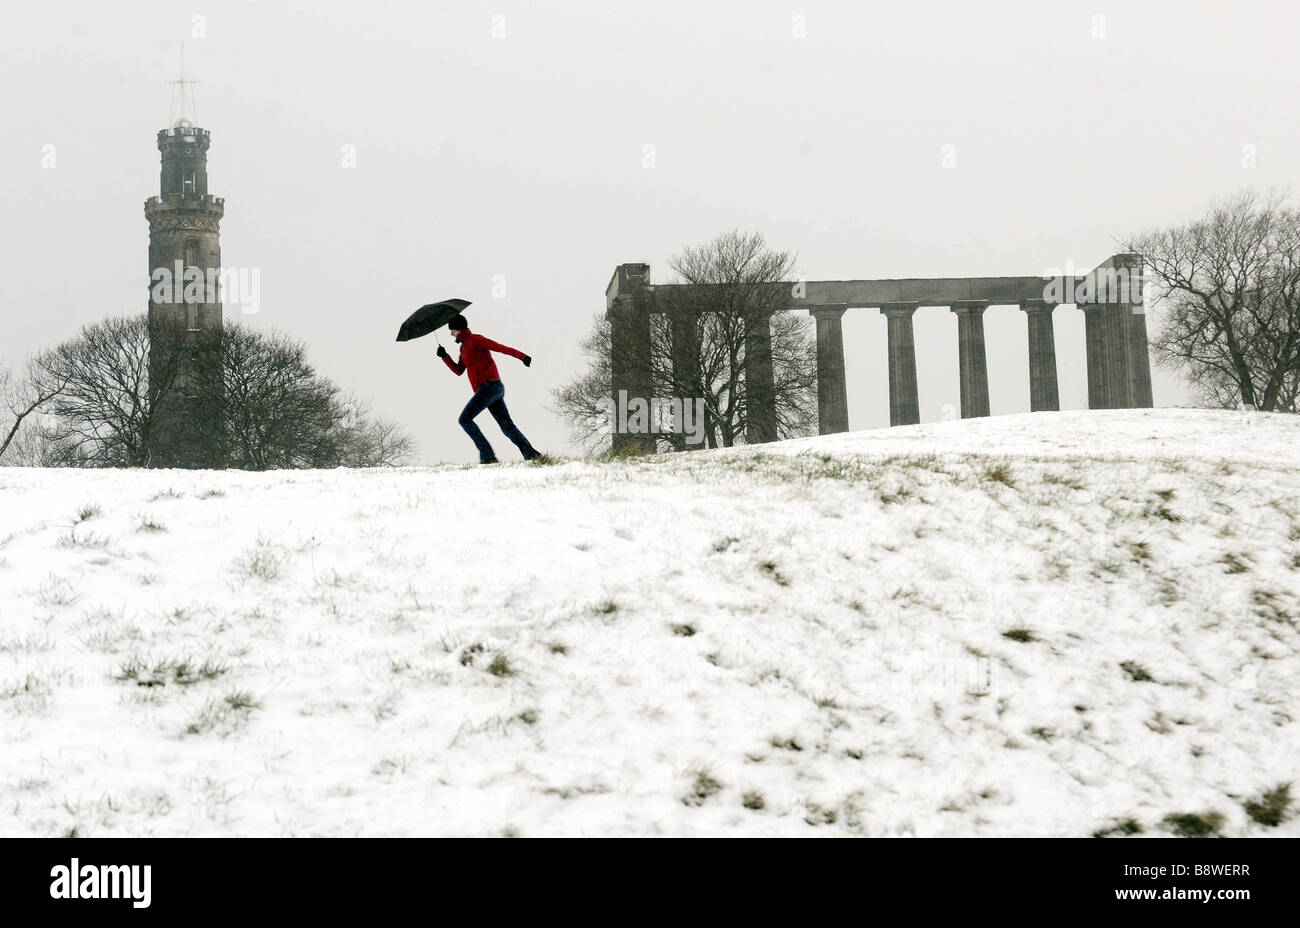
{"x": 184, "y": 131}
{"x": 207, "y": 198}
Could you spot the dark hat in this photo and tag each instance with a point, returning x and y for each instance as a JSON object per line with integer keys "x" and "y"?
{"x": 457, "y": 322}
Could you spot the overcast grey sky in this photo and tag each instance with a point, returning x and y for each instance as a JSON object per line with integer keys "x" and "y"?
{"x": 522, "y": 155}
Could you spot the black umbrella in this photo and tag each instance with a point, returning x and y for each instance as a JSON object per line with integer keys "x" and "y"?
{"x": 429, "y": 317}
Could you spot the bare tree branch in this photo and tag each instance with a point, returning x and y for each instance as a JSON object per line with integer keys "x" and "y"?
{"x": 1229, "y": 288}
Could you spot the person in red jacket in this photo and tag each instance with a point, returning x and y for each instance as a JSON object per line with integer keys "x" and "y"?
{"x": 489, "y": 392}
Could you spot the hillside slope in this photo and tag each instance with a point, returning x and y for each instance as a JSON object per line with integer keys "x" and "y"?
{"x": 1051, "y": 624}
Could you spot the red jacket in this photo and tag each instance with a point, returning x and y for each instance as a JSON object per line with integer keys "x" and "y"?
{"x": 476, "y": 357}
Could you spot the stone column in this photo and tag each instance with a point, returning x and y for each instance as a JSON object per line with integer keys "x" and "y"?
{"x": 1119, "y": 370}
{"x": 684, "y": 331}
{"x": 973, "y": 366}
{"x": 1094, "y": 342}
{"x": 832, "y": 395}
{"x": 1139, "y": 358}
{"x": 684, "y": 328}
{"x": 1107, "y": 334}
{"x": 1118, "y": 356}
{"x": 904, "y": 402}
{"x": 628, "y": 306}
{"x": 1043, "y": 394}
{"x": 760, "y": 420}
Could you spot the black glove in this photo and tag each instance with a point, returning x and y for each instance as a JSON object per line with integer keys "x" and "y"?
{"x": 528, "y": 362}
{"x": 442, "y": 352}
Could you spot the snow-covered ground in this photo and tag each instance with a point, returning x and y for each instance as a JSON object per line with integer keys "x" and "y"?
{"x": 1049, "y": 624}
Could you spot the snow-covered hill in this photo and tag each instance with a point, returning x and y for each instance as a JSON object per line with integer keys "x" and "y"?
{"x": 1051, "y": 624}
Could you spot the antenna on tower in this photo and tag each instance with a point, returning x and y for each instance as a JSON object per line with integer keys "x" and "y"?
{"x": 184, "y": 108}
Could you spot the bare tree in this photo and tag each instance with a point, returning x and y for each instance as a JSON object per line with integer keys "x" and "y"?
{"x": 22, "y": 398}
{"x": 105, "y": 396}
{"x": 364, "y": 440}
{"x": 722, "y": 294}
{"x": 1229, "y": 286}
{"x": 41, "y": 443}
{"x": 584, "y": 402}
{"x": 278, "y": 411}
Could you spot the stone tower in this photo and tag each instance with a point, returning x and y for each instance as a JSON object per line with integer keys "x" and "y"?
{"x": 184, "y": 301}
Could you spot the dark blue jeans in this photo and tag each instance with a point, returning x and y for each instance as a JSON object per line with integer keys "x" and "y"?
{"x": 491, "y": 396}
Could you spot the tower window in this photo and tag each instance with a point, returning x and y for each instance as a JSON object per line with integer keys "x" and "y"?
{"x": 189, "y": 183}
{"x": 191, "y": 260}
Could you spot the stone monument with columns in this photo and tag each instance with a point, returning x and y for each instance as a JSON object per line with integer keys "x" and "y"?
{"x": 1110, "y": 296}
